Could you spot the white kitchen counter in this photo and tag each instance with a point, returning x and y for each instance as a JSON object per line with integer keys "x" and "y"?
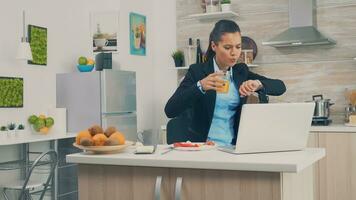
{"x": 28, "y": 137}
{"x": 335, "y": 128}
{"x": 293, "y": 161}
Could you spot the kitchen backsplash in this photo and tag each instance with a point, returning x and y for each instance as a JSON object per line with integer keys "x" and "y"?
{"x": 307, "y": 71}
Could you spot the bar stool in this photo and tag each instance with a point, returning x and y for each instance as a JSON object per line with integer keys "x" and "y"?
{"x": 48, "y": 158}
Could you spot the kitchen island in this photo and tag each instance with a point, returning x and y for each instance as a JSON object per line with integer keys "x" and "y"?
{"x": 197, "y": 175}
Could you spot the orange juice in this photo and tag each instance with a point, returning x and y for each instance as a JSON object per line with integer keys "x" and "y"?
{"x": 225, "y": 87}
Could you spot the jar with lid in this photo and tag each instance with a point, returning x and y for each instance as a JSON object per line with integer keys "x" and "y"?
{"x": 349, "y": 110}
{"x": 212, "y": 6}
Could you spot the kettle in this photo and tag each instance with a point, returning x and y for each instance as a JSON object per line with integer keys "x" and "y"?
{"x": 322, "y": 107}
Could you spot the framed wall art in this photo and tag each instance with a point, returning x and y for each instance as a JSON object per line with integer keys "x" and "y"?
{"x": 104, "y": 31}
{"x": 11, "y": 92}
{"x": 38, "y": 42}
{"x": 137, "y": 34}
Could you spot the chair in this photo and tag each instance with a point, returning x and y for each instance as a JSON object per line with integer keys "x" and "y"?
{"x": 177, "y": 130}
{"x": 49, "y": 158}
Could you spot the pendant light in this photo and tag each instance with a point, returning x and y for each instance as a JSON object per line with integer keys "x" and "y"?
{"x": 24, "y": 50}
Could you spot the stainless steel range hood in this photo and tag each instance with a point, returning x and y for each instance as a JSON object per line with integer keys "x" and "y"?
{"x": 302, "y": 27}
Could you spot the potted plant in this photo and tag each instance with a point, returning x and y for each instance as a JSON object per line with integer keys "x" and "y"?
{"x": 178, "y": 57}
{"x": 11, "y": 127}
{"x": 3, "y": 128}
{"x": 21, "y": 127}
{"x": 225, "y": 5}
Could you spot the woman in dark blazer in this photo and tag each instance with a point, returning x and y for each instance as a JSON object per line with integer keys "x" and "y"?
{"x": 215, "y": 115}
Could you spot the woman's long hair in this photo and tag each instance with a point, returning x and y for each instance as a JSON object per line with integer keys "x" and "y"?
{"x": 221, "y": 27}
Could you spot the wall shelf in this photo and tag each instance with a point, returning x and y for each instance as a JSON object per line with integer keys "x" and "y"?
{"x": 184, "y": 67}
{"x": 213, "y": 15}
{"x": 180, "y": 68}
{"x": 252, "y": 65}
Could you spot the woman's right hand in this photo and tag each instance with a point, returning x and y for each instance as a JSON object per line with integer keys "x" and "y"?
{"x": 212, "y": 81}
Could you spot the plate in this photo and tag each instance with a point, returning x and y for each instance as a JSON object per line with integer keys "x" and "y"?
{"x": 348, "y": 124}
{"x": 104, "y": 149}
{"x": 248, "y": 43}
{"x": 202, "y": 147}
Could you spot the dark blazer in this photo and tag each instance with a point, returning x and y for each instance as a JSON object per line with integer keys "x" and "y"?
{"x": 189, "y": 97}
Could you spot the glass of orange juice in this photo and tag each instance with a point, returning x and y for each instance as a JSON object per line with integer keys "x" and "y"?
{"x": 225, "y": 87}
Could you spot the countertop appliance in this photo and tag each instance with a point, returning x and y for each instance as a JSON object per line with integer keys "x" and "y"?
{"x": 321, "y": 111}
{"x": 106, "y": 98}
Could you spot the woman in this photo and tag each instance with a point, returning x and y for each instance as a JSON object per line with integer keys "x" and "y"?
{"x": 216, "y": 115}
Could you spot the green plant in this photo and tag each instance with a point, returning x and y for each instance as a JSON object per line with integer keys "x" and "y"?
{"x": 21, "y": 127}
{"x": 11, "y": 126}
{"x": 11, "y": 92}
{"x": 225, "y": 2}
{"x": 38, "y": 43}
{"x": 178, "y": 55}
{"x": 3, "y": 128}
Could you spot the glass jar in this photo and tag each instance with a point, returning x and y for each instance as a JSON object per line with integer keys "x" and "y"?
{"x": 212, "y": 6}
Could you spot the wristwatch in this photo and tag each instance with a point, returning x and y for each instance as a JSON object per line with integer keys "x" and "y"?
{"x": 260, "y": 85}
{"x": 200, "y": 87}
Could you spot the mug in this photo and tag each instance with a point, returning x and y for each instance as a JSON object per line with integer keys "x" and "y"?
{"x": 148, "y": 137}
{"x": 100, "y": 42}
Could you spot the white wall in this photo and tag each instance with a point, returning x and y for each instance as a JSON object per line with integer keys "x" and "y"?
{"x": 165, "y": 76}
{"x": 68, "y": 27}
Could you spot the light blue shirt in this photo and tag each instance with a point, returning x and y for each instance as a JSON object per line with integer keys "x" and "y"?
{"x": 222, "y": 126}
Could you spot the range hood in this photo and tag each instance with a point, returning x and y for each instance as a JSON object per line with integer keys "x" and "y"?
{"x": 302, "y": 27}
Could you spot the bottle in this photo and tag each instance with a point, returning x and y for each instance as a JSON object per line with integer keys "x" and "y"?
{"x": 190, "y": 53}
{"x": 199, "y": 56}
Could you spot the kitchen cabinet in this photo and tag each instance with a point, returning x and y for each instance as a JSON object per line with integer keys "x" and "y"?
{"x": 337, "y": 171}
{"x": 201, "y": 175}
{"x": 335, "y": 174}
{"x": 135, "y": 183}
{"x": 221, "y": 184}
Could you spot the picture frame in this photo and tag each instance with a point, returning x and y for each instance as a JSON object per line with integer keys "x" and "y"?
{"x": 104, "y": 31}
{"x": 11, "y": 92}
{"x": 38, "y": 42}
{"x": 138, "y": 34}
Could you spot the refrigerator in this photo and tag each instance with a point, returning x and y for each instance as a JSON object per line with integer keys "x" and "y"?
{"x": 106, "y": 98}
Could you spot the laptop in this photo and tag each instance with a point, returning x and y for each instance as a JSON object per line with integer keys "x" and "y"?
{"x": 273, "y": 127}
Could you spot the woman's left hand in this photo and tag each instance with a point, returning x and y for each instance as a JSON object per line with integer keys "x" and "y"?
{"x": 248, "y": 87}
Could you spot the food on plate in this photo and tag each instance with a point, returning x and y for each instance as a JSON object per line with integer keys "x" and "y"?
{"x": 82, "y": 135}
{"x": 192, "y": 144}
{"x": 119, "y": 137}
{"x": 111, "y": 142}
{"x": 99, "y": 139}
{"x": 87, "y": 142}
{"x": 96, "y": 129}
{"x": 94, "y": 136}
{"x": 186, "y": 144}
{"x": 210, "y": 143}
{"x": 110, "y": 130}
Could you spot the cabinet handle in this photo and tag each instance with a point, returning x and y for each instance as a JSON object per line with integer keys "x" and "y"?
{"x": 178, "y": 190}
{"x": 158, "y": 188}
